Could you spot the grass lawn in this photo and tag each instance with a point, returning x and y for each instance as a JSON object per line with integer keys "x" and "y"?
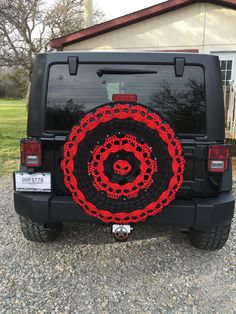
{"x": 13, "y": 115}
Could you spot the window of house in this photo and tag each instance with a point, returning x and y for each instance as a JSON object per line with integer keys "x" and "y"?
{"x": 226, "y": 71}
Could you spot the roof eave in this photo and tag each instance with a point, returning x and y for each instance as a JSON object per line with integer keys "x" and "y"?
{"x": 119, "y": 22}
{"x": 108, "y": 26}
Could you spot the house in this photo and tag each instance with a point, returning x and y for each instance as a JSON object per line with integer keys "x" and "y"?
{"x": 174, "y": 25}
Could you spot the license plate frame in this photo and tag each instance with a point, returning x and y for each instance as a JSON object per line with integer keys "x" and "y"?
{"x": 35, "y": 182}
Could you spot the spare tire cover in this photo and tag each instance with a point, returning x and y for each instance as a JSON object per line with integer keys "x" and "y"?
{"x": 122, "y": 163}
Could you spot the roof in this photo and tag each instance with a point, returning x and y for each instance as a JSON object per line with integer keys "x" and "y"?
{"x": 131, "y": 18}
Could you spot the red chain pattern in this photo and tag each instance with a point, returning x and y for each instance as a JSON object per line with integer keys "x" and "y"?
{"x": 114, "y": 144}
{"x": 142, "y": 115}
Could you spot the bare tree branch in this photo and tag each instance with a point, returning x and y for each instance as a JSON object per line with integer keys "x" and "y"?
{"x": 26, "y": 26}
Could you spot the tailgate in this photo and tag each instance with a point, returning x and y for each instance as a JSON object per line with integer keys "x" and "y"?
{"x": 197, "y": 181}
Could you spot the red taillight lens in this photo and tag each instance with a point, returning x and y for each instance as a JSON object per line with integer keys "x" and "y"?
{"x": 124, "y": 97}
{"x": 218, "y": 158}
{"x": 31, "y": 153}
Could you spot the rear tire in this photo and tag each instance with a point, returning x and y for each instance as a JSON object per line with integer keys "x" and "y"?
{"x": 211, "y": 239}
{"x": 34, "y": 231}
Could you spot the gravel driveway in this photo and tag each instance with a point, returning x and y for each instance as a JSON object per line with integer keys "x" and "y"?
{"x": 85, "y": 271}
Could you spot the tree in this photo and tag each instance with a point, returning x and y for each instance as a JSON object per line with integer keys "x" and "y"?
{"x": 182, "y": 109}
{"x": 13, "y": 83}
{"x": 22, "y": 32}
{"x": 26, "y": 26}
{"x": 66, "y": 16}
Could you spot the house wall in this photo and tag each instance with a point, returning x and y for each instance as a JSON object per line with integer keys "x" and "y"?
{"x": 201, "y": 26}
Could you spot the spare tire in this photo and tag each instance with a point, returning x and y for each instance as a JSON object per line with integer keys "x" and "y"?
{"x": 122, "y": 163}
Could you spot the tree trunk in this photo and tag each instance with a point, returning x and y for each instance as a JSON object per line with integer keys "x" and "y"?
{"x": 27, "y": 95}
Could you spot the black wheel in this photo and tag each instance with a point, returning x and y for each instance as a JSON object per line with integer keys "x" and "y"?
{"x": 39, "y": 232}
{"x": 211, "y": 239}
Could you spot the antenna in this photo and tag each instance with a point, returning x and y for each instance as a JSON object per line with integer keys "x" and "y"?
{"x": 88, "y": 13}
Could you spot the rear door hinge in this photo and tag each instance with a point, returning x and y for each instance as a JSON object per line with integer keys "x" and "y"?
{"x": 179, "y": 66}
{"x": 73, "y": 65}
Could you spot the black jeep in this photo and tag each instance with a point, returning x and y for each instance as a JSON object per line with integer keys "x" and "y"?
{"x": 125, "y": 138}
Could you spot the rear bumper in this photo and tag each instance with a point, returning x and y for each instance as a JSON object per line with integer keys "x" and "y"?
{"x": 197, "y": 212}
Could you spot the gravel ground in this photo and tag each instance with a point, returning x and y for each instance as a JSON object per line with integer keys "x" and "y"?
{"x": 85, "y": 271}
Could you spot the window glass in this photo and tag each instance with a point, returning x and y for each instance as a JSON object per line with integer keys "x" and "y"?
{"x": 226, "y": 71}
{"x": 179, "y": 100}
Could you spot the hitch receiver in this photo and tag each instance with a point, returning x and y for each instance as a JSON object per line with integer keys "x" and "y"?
{"x": 121, "y": 232}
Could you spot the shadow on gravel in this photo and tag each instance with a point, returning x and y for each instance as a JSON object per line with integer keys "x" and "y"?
{"x": 83, "y": 234}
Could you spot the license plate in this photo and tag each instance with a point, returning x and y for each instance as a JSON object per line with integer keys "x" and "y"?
{"x": 35, "y": 182}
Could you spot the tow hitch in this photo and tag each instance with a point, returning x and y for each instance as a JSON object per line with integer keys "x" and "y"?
{"x": 121, "y": 232}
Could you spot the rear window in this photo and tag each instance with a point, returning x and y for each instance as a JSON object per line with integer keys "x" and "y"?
{"x": 179, "y": 100}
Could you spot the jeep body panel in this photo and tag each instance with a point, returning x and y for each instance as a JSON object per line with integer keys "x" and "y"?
{"x": 214, "y": 94}
{"x": 205, "y": 199}
{"x": 197, "y": 212}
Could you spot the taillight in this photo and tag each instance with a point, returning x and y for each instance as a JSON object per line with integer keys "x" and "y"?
{"x": 31, "y": 153}
{"x": 124, "y": 97}
{"x": 218, "y": 158}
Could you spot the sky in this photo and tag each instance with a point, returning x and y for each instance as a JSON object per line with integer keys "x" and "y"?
{"x": 113, "y": 9}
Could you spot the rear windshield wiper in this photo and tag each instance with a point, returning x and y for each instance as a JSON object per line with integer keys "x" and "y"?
{"x": 100, "y": 72}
